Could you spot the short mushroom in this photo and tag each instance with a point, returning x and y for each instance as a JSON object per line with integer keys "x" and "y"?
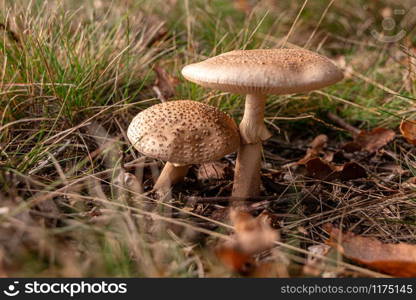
{"x": 182, "y": 133}
{"x": 257, "y": 73}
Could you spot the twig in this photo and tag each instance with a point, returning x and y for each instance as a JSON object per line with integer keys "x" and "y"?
{"x": 341, "y": 122}
{"x": 223, "y": 199}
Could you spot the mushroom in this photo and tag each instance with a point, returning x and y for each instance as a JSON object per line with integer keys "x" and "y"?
{"x": 182, "y": 133}
{"x": 257, "y": 73}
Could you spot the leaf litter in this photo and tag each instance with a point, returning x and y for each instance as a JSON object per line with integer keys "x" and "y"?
{"x": 394, "y": 259}
{"x": 355, "y": 163}
{"x": 408, "y": 130}
{"x": 252, "y": 236}
{"x": 306, "y": 182}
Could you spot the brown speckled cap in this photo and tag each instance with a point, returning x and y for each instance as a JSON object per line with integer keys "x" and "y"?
{"x": 184, "y": 132}
{"x": 264, "y": 71}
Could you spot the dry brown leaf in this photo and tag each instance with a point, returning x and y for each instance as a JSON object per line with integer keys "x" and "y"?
{"x": 319, "y": 169}
{"x": 394, "y": 259}
{"x": 252, "y": 235}
{"x": 351, "y": 170}
{"x": 351, "y": 147}
{"x": 323, "y": 170}
{"x": 236, "y": 260}
{"x": 212, "y": 171}
{"x": 370, "y": 141}
{"x": 408, "y": 130}
{"x": 373, "y": 140}
{"x": 246, "y": 265}
{"x": 165, "y": 84}
{"x": 315, "y": 148}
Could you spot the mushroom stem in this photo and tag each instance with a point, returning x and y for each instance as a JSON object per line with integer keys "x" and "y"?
{"x": 247, "y": 171}
{"x": 170, "y": 175}
{"x": 252, "y": 128}
{"x": 253, "y": 132}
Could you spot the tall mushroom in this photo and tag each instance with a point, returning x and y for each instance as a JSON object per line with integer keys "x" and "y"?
{"x": 182, "y": 133}
{"x": 257, "y": 73}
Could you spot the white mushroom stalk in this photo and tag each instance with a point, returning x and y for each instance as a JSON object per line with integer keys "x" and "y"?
{"x": 170, "y": 176}
{"x": 253, "y": 132}
{"x": 247, "y": 179}
{"x": 257, "y": 73}
{"x": 252, "y": 127}
{"x": 182, "y": 133}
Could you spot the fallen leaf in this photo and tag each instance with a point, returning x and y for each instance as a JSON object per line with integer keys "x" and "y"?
{"x": 315, "y": 148}
{"x": 319, "y": 169}
{"x": 252, "y": 235}
{"x": 394, "y": 259}
{"x": 373, "y": 140}
{"x": 351, "y": 147}
{"x": 212, "y": 171}
{"x": 351, "y": 170}
{"x": 408, "y": 130}
{"x": 165, "y": 84}
{"x": 236, "y": 260}
{"x": 323, "y": 170}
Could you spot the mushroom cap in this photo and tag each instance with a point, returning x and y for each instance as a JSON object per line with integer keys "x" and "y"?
{"x": 264, "y": 71}
{"x": 184, "y": 132}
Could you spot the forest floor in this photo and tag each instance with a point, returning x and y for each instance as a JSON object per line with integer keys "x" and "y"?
{"x": 338, "y": 175}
